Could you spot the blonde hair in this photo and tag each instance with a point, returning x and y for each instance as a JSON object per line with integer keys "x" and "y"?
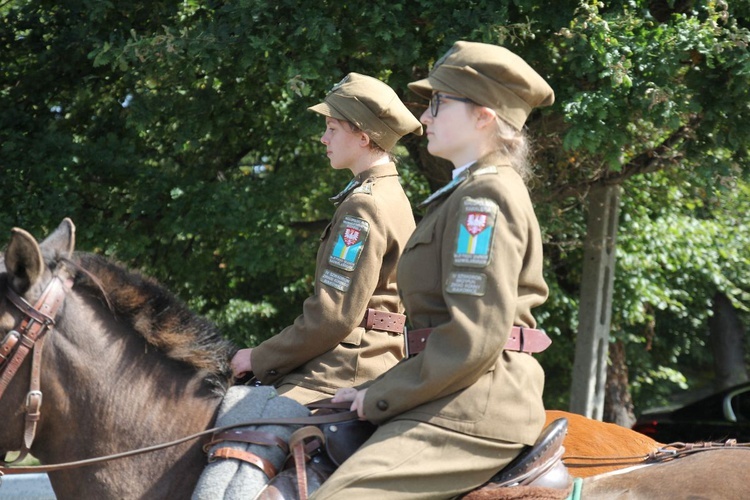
{"x": 515, "y": 145}
{"x": 512, "y": 144}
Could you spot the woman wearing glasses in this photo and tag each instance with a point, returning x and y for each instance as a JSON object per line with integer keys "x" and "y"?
{"x": 469, "y": 396}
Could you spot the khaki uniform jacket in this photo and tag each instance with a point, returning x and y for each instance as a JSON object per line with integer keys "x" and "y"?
{"x": 471, "y": 270}
{"x": 326, "y": 349}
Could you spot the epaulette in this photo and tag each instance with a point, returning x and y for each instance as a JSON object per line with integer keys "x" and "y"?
{"x": 336, "y": 200}
{"x": 486, "y": 170}
{"x": 365, "y": 188}
{"x": 448, "y": 188}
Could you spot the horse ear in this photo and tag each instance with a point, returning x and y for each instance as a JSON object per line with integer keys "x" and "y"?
{"x": 23, "y": 259}
{"x": 62, "y": 240}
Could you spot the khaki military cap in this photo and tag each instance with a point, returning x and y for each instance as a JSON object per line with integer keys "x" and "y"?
{"x": 491, "y": 76}
{"x": 372, "y": 106}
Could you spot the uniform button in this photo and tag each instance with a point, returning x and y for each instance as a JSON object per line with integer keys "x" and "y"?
{"x": 271, "y": 372}
{"x": 382, "y": 405}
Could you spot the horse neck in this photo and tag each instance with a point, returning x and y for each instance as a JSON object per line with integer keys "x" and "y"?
{"x": 107, "y": 391}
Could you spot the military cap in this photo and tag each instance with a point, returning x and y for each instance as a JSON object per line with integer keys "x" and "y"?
{"x": 372, "y": 106}
{"x": 491, "y": 76}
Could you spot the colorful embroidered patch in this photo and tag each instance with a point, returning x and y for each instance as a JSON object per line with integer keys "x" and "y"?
{"x": 350, "y": 240}
{"x": 475, "y": 231}
{"x": 335, "y": 280}
{"x": 466, "y": 284}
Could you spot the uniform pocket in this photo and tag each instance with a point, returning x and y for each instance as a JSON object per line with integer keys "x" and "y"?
{"x": 326, "y": 232}
{"x": 419, "y": 267}
{"x": 422, "y": 235}
{"x": 471, "y": 404}
{"x": 354, "y": 339}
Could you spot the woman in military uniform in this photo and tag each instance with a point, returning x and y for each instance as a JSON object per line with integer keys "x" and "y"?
{"x": 457, "y": 412}
{"x": 351, "y": 328}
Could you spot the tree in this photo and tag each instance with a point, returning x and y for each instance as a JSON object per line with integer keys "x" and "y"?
{"x": 176, "y": 136}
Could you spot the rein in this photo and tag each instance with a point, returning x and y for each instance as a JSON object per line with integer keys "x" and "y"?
{"x": 36, "y": 322}
{"x": 329, "y": 418}
{"x": 663, "y": 454}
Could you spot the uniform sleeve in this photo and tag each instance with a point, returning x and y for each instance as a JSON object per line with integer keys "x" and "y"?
{"x": 482, "y": 252}
{"x": 346, "y": 278}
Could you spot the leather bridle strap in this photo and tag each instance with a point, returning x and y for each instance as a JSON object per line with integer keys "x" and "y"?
{"x": 37, "y": 321}
{"x": 344, "y": 416}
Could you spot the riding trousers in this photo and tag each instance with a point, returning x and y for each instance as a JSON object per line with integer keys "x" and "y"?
{"x": 405, "y": 459}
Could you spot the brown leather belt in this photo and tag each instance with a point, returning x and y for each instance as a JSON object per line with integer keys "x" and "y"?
{"x": 384, "y": 321}
{"x": 528, "y": 340}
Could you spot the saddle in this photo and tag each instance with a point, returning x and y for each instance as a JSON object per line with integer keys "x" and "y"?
{"x": 538, "y": 467}
{"x": 538, "y": 470}
{"x": 313, "y": 452}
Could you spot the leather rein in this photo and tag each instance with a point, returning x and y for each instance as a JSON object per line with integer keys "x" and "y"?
{"x": 39, "y": 320}
{"x": 28, "y": 337}
{"x": 664, "y": 453}
{"x": 329, "y": 418}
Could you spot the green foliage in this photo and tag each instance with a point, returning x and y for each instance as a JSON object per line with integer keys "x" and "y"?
{"x": 147, "y": 123}
{"x": 672, "y": 259}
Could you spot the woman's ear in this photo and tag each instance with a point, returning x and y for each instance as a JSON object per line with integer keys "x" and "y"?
{"x": 364, "y": 140}
{"x": 485, "y": 116}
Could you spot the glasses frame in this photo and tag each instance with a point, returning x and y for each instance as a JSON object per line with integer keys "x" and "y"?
{"x": 435, "y": 101}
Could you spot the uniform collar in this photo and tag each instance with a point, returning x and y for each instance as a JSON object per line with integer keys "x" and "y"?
{"x": 443, "y": 191}
{"x": 372, "y": 173}
{"x": 464, "y": 172}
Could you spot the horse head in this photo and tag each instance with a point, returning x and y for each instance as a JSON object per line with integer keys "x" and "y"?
{"x": 124, "y": 365}
{"x": 24, "y": 278}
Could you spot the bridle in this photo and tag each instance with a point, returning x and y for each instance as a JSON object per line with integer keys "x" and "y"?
{"x": 28, "y": 337}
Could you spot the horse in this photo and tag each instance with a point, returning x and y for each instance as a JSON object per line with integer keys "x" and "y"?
{"x": 593, "y": 447}
{"x": 127, "y": 365}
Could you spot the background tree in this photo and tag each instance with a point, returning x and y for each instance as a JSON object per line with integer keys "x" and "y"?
{"x": 176, "y": 136}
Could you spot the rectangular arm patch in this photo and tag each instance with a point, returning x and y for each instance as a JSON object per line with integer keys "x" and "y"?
{"x": 466, "y": 284}
{"x": 476, "y": 224}
{"x": 350, "y": 240}
{"x": 335, "y": 280}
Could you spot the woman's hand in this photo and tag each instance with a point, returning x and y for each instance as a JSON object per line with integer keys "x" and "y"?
{"x": 345, "y": 394}
{"x": 242, "y": 362}
{"x": 356, "y": 397}
{"x": 359, "y": 404}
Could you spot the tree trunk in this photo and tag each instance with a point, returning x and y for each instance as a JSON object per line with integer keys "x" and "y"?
{"x": 435, "y": 170}
{"x": 618, "y": 405}
{"x": 595, "y": 310}
{"x": 727, "y": 340}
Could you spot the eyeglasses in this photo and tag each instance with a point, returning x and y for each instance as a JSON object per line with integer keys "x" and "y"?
{"x": 435, "y": 101}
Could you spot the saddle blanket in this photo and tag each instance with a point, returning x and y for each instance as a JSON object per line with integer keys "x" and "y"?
{"x": 231, "y": 479}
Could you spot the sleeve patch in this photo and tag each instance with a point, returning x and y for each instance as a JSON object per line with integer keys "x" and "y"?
{"x": 475, "y": 232}
{"x": 335, "y": 280}
{"x": 350, "y": 240}
{"x": 466, "y": 284}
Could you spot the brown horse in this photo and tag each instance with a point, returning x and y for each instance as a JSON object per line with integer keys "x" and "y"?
{"x": 128, "y": 366}
{"x": 589, "y": 443}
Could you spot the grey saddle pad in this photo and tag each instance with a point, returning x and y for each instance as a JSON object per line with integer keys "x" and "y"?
{"x": 231, "y": 479}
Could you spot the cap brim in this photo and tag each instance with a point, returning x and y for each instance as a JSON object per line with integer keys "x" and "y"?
{"x": 326, "y": 110}
{"x": 422, "y": 88}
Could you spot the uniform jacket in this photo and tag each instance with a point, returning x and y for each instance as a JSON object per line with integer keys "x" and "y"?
{"x": 326, "y": 349}
{"x": 471, "y": 270}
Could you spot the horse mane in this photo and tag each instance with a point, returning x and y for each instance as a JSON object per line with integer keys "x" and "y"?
{"x": 162, "y": 319}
